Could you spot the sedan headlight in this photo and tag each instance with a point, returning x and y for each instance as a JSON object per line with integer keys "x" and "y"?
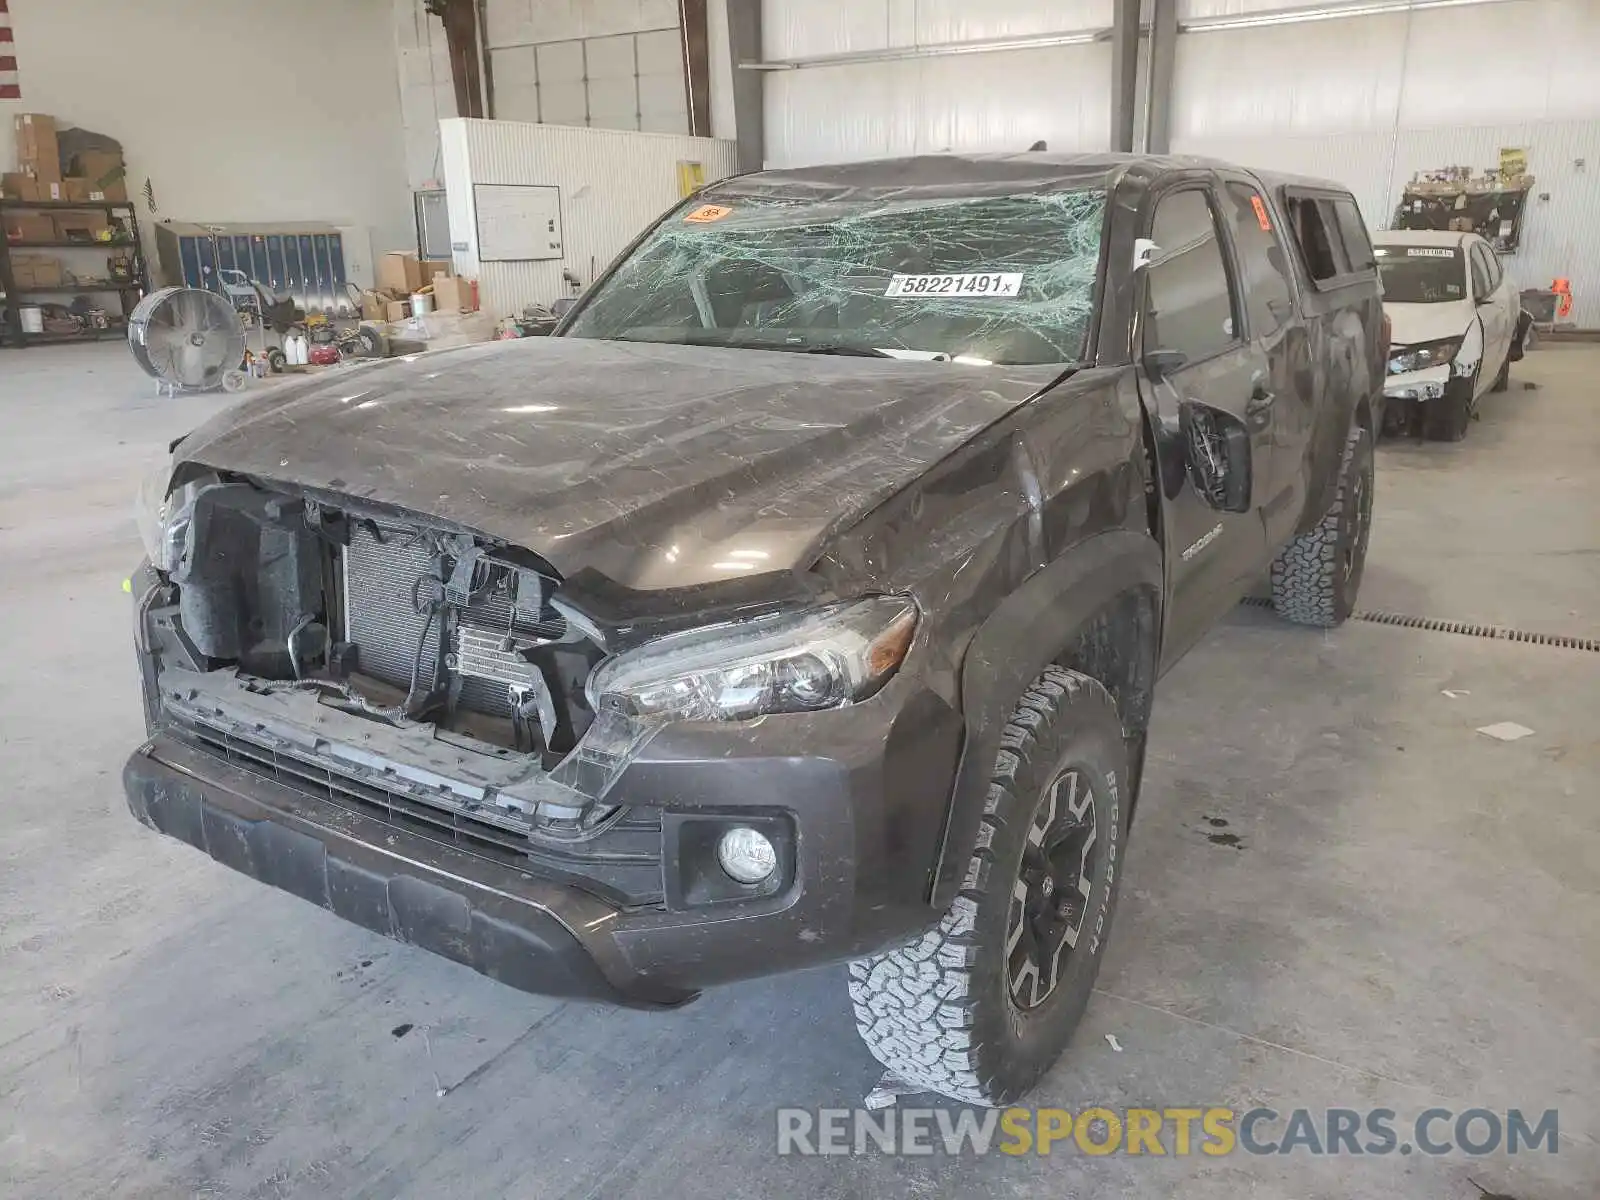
{"x": 785, "y": 663}
{"x": 1423, "y": 355}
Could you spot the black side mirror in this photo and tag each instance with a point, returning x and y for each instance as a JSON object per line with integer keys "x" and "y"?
{"x": 1217, "y": 451}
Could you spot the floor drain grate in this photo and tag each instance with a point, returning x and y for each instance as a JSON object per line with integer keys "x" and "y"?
{"x": 1464, "y": 628}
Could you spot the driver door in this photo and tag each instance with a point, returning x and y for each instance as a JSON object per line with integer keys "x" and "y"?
{"x": 1201, "y": 376}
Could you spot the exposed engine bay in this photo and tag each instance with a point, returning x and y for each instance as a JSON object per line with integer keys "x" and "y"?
{"x": 401, "y": 621}
{"x": 369, "y": 651}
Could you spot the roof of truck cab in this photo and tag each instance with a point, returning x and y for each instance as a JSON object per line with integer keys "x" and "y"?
{"x": 974, "y": 174}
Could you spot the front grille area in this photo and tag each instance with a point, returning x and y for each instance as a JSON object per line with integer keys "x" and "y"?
{"x": 620, "y": 864}
{"x": 382, "y": 569}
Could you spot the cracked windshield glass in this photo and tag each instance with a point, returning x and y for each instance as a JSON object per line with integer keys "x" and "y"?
{"x": 992, "y": 279}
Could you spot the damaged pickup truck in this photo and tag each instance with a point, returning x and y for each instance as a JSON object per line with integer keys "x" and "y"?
{"x": 801, "y": 601}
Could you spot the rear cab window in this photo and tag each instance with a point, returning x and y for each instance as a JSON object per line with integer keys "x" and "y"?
{"x": 1330, "y": 238}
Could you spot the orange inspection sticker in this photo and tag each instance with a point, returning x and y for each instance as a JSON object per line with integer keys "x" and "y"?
{"x": 707, "y": 212}
{"x": 1261, "y": 212}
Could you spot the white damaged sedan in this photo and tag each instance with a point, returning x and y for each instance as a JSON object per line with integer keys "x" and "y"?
{"x": 1458, "y": 327}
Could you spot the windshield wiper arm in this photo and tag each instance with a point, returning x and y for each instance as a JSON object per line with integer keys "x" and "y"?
{"x": 837, "y": 348}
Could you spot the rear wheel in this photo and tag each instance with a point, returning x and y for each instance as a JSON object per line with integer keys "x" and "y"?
{"x": 1316, "y": 577}
{"x": 980, "y": 1007}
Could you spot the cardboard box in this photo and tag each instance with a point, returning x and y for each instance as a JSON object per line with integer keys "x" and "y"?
{"x": 105, "y": 172}
{"x": 79, "y": 226}
{"x": 397, "y": 310}
{"x": 36, "y": 270}
{"x": 19, "y": 185}
{"x": 75, "y": 189}
{"x": 452, "y": 294}
{"x": 403, "y": 272}
{"x": 37, "y": 148}
{"x": 374, "y": 306}
{"x": 399, "y": 272}
{"x": 29, "y": 227}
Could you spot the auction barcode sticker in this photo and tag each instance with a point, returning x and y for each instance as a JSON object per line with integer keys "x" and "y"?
{"x": 987, "y": 283}
{"x": 1429, "y": 252}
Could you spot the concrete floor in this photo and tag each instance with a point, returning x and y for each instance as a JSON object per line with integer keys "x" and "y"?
{"x": 1410, "y": 918}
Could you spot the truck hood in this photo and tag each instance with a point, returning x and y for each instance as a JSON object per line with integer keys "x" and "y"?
{"x": 659, "y": 466}
{"x": 1415, "y": 323}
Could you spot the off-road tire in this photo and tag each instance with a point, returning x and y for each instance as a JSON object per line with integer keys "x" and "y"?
{"x": 1446, "y": 418}
{"x": 1502, "y": 380}
{"x": 1315, "y": 577}
{"x": 939, "y": 1013}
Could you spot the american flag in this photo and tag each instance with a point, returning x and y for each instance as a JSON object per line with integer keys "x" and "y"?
{"x": 10, "y": 82}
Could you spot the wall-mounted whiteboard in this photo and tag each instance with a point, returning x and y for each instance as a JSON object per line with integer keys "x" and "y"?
{"x": 516, "y": 222}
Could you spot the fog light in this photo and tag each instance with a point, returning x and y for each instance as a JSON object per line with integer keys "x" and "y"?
{"x": 745, "y": 855}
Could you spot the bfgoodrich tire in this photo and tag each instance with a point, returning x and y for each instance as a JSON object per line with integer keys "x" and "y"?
{"x": 980, "y": 1006}
{"x": 1315, "y": 578}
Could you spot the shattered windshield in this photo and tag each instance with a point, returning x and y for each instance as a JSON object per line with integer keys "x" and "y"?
{"x": 1004, "y": 279}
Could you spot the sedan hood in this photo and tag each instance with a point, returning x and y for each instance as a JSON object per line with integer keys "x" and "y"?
{"x": 1414, "y": 323}
{"x": 659, "y": 466}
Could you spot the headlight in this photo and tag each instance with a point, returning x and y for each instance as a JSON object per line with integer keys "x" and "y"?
{"x": 820, "y": 659}
{"x": 164, "y": 519}
{"x": 1424, "y": 355}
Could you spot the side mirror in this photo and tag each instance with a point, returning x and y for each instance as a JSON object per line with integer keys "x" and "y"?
{"x": 1217, "y": 452}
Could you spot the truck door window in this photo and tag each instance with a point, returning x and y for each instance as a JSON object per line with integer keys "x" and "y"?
{"x": 1263, "y": 262}
{"x": 1189, "y": 304}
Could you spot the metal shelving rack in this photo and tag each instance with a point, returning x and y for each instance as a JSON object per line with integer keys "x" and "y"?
{"x": 11, "y": 302}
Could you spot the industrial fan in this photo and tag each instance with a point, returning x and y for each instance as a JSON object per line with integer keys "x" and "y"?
{"x": 188, "y": 339}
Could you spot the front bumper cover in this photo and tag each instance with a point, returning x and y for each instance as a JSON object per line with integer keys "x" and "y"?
{"x": 1428, "y": 384}
{"x": 866, "y": 817}
{"x": 490, "y": 918}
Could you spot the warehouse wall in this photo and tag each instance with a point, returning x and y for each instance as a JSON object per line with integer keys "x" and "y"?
{"x": 1413, "y": 91}
{"x": 611, "y": 64}
{"x": 1004, "y": 100}
{"x": 427, "y": 91}
{"x": 206, "y": 97}
{"x": 613, "y": 183}
{"x": 1366, "y": 100}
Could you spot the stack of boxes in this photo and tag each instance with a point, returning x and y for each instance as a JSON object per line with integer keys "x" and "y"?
{"x": 402, "y": 275}
{"x": 91, "y": 175}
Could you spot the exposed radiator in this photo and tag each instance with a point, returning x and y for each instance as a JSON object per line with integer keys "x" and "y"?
{"x": 381, "y": 617}
{"x": 381, "y": 592}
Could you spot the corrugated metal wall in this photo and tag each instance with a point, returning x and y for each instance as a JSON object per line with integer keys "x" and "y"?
{"x": 1372, "y": 100}
{"x": 613, "y": 183}
{"x": 612, "y": 64}
{"x": 1366, "y": 100}
{"x": 427, "y": 93}
{"x": 1004, "y": 100}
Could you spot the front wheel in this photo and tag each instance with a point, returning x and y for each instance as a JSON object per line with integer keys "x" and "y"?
{"x": 980, "y": 1007}
{"x": 1315, "y": 577}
